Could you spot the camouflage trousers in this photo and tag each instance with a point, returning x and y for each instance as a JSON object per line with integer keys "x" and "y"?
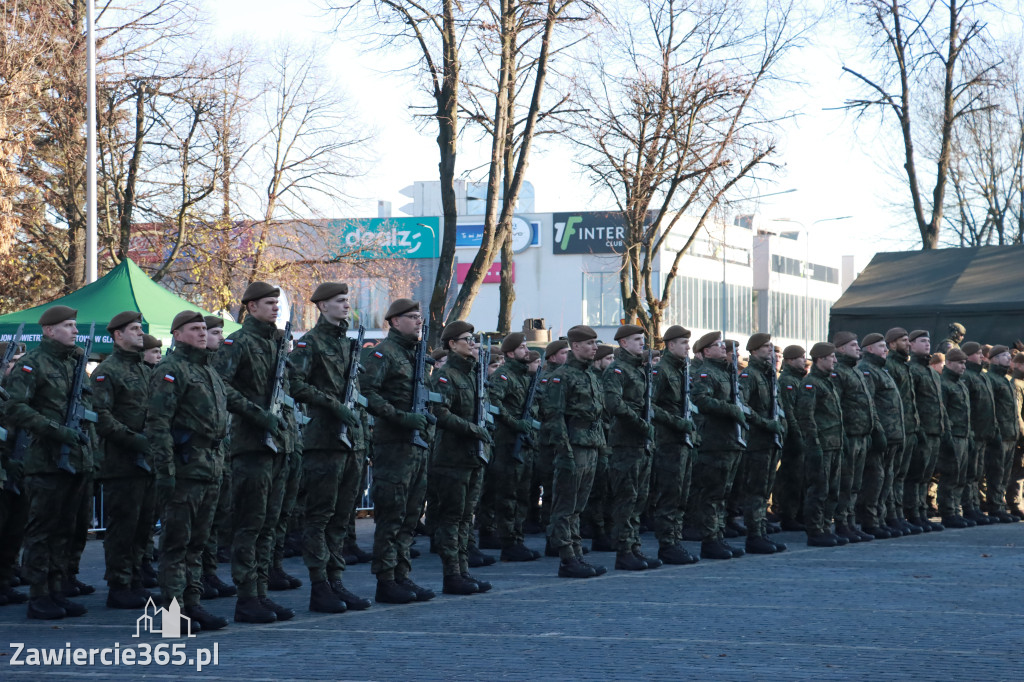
{"x": 399, "y": 488}
{"x": 671, "y": 469}
{"x": 221, "y": 531}
{"x": 998, "y": 462}
{"x": 876, "y": 485}
{"x": 508, "y": 482}
{"x": 952, "y": 469}
{"x": 186, "y": 519}
{"x": 82, "y": 524}
{"x": 900, "y": 468}
{"x": 822, "y": 470}
{"x": 713, "y": 475}
{"x": 13, "y": 517}
{"x": 361, "y": 457}
{"x": 54, "y": 501}
{"x": 629, "y": 479}
{"x": 851, "y": 479}
{"x": 599, "y": 513}
{"x": 1013, "y": 485}
{"x": 758, "y": 472}
{"x": 332, "y": 484}
{"x": 258, "y": 482}
{"x": 541, "y": 481}
{"x": 569, "y": 492}
{"x": 458, "y": 491}
{"x": 130, "y": 506}
{"x": 975, "y": 473}
{"x": 288, "y": 503}
{"x": 788, "y": 491}
{"x": 919, "y": 476}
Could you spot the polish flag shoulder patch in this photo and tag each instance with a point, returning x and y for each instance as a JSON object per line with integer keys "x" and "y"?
{"x": 169, "y": 378}
{"x": 703, "y": 375}
{"x": 26, "y": 369}
{"x": 617, "y": 370}
{"x": 810, "y": 386}
{"x": 556, "y": 380}
{"x": 378, "y": 354}
{"x": 229, "y": 342}
{"x": 301, "y": 344}
{"x": 102, "y": 377}
{"x": 744, "y": 375}
{"x": 442, "y": 380}
{"x": 789, "y": 388}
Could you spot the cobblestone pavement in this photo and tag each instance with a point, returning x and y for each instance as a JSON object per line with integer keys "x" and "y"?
{"x": 937, "y": 606}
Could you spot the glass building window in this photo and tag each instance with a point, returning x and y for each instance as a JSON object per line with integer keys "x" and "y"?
{"x": 602, "y": 299}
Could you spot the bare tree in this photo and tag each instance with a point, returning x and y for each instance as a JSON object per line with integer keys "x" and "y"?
{"x": 918, "y": 46}
{"x": 673, "y": 122}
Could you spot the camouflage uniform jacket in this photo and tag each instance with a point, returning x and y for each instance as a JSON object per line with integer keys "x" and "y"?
{"x": 886, "y": 395}
{"x": 625, "y": 393}
{"x": 317, "y": 375}
{"x": 456, "y": 413}
{"x": 246, "y": 360}
{"x": 984, "y": 427}
{"x": 1005, "y": 402}
{"x": 790, "y": 380}
{"x": 40, "y": 386}
{"x": 931, "y": 411}
{"x": 896, "y": 366}
{"x": 757, "y": 394}
{"x": 546, "y": 435}
{"x": 386, "y": 383}
{"x": 712, "y": 394}
{"x": 121, "y": 399}
{"x": 957, "y": 401}
{"x": 508, "y": 389}
{"x": 668, "y": 400}
{"x": 859, "y": 416}
{"x": 819, "y": 412}
{"x": 573, "y": 407}
{"x": 188, "y": 415}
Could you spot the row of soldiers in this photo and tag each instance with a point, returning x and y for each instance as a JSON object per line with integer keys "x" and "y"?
{"x": 609, "y": 435}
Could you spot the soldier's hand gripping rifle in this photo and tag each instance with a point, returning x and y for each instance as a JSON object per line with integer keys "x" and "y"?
{"x": 688, "y": 407}
{"x": 277, "y": 393}
{"x": 775, "y": 412}
{"x": 531, "y": 394}
{"x": 649, "y": 395}
{"x": 734, "y": 376}
{"x": 76, "y": 412}
{"x": 351, "y": 377}
{"x": 421, "y": 395}
{"x": 483, "y": 405}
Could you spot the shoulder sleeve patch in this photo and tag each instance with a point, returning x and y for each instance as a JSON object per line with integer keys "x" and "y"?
{"x": 169, "y": 378}
{"x": 102, "y": 377}
{"x": 229, "y": 342}
{"x": 26, "y": 369}
{"x": 556, "y": 380}
{"x": 703, "y": 375}
{"x": 744, "y": 375}
{"x": 443, "y": 380}
{"x": 543, "y": 381}
{"x": 503, "y": 377}
{"x": 810, "y": 386}
{"x": 617, "y": 370}
{"x": 301, "y": 344}
{"x": 789, "y": 388}
{"x": 378, "y": 354}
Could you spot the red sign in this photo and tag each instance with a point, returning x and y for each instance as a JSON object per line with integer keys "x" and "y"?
{"x": 493, "y": 275}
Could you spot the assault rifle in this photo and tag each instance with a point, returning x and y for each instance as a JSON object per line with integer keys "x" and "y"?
{"x": 774, "y": 411}
{"x": 688, "y": 407}
{"x": 76, "y": 413}
{"x": 735, "y": 398}
{"x": 483, "y": 405}
{"x": 517, "y": 447}
{"x": 277, "y": 392}
{"x": 421, "y": 395}
{"x": 649, "y": 394}
{"x": 350, "y": 382}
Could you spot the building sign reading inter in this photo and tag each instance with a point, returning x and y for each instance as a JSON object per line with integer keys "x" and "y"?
{"x": 388, "y": 237}
{"x": 589, "y": 232}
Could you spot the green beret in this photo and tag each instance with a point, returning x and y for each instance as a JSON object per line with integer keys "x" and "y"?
{"x": 793, "y": 352}
{"x": 843, "y": 338}
{"x": 757, "y": 340}
{"x": 438, "y": 354}
{"x": 513, "y": 341}
{"x": 604, "y": 351}
{"x": 554, "y": 347}
{"x": 1018, "y": 359}
{"x": 706, "y": 340}
{"x": 872, "y": 338}
{"x": 455, "y": 329}
{"x": 149, "y": 342}
{"x": 628, "y": 330}
{"x": 57, "y": 314}
{"x": 918, "y": 333}
{"x": 996, "y": 350}
{"x": 258, "y": 290}
{"x": 971, "y": 347}
{"x": 533, "y": 356}
{"x": 213, "y": 322}
{"x": 581, "y": 332}
{"x": 675, "y": 332}
{"x": 328, "y": 290}
{"x": 731, "y": 345}
{"x": 822, "y": 350}
{"x": 186, "y": 317}
{"x": 401, "y": 307}
{"x": 122, "y": 320}
{"x": 956, "y": 355}
{"x": 895, "y": 334}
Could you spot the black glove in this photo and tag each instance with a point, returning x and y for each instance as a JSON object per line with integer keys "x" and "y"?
{"x": 776, "y": 427}
{"x": 70, "y": 436}
{"x": 270, "y": 422}
{"x": 480, "y": 433}
{"x": 412, "y": 421}
{"x": 139, "y": 442}
{"x": 347, "y": 416}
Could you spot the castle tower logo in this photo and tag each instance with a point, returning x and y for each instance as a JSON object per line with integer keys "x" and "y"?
{"x": 171, "y": 622}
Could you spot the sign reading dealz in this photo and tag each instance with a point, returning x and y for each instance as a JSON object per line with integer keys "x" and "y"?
{"x": 589, "y": 232}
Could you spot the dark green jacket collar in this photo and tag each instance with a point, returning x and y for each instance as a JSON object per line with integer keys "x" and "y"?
{"x": 266, "y": 330}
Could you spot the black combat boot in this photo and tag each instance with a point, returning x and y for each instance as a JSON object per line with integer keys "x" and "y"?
{"x": 713, "y": 549}
{"x": 895, "y": 528}
{"x": 840, "y": 540}
{"x": 792, "y": 524}
{"x": 252, "y": 610}
{"x": 148, "y": 574}
{"x": 481, "y": 585}
{"x": 422, "y": 593}
{"x": 357, "y": 603}
{"x": 878, "y": 532}
{"x": 821, "y": 540}
{"x": 773, "y": 527}
{"x": 223, "y": 588}
{"x": 596, "y": 568}
{"x": 627, "y": 561}
{"x": 517, "y": 552}
{"x": 76, "y": 588}
{"x": 759, "y": 544}
{"x": 363, "y": 556}
{"x": 209, "y": 591}
{"x": 936, "y": 526}
{"x": 925, "y": 524}
{"x": 282, "y": 612}
{"x": 351, "y": 559}
{"x": 676, "y": 555}
{"x": 456, "y": 584}
{"x": 549, "y": 550}
{"x": 736, "y": 524}
{"x": 864, "y": 537}
{"x": 44, "y": 608}
{"x": 736, "y": 551}
{"x": 489, "y": 540}
{"x": 13, "y": 596}
{"x": 120, "y": 597}
{"x": 279, "y": 580}
{"x": 390, "y": 592}
{"x": 779, "y": 546}
{"x": 652, "y": 562}
{"x": 844, "y": 531}
{"x": 478, "y": 559}
{"x": 71, "y": 608}
{"x": 913, "y": 528}
{"x": 575, "y": 568}
{"x": 954, "y": 522}
{"x": 205, "y": 619}
{"x": 323, "y": 599}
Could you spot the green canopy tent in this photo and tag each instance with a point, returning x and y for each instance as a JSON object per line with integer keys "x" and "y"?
{"x": 126, "y": 287}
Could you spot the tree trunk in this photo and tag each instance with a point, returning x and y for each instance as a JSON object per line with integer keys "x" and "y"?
{"x": 128, "y": 203}
{"x": 507, "y": 291}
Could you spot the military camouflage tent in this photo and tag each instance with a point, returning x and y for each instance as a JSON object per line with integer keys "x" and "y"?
{"x": 982, "y": 288}
{"x": 126, "y": 287}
